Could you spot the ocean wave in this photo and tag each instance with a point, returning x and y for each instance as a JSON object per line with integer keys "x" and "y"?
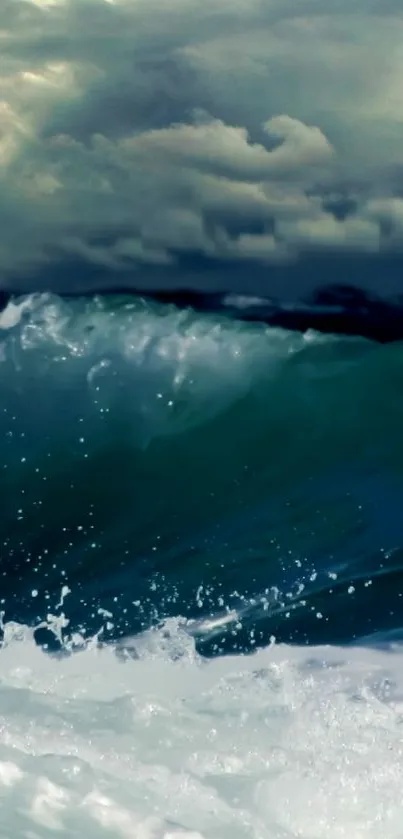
{"x": 158, "y": 460}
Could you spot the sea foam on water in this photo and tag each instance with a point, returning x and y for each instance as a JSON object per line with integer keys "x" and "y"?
{"x": 286, "y": 743}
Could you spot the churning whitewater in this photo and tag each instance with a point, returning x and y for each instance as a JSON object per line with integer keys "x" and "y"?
{"x": 282, "y": 744}
{"x": 201, "y": 576}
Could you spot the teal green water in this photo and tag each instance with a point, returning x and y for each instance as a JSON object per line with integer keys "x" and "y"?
{"x": 159, "y": 462}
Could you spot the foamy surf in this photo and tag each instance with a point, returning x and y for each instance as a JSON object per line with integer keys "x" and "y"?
{"x": 288, "y": 743}
{"x": 158, "y": 463}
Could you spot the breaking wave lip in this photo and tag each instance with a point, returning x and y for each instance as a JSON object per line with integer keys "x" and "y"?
{"x": 339, "y": 309}
{"x": 289, "y": 743}
{"x": 181, "y": 367}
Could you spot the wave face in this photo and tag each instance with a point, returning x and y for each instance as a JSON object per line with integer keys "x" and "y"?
{"x": 159, "y": 463}
{"x": 177, "y": 490}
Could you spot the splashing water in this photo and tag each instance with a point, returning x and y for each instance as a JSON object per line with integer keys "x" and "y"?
{"x": 176, "y": 486}
{"x": 284, "y": 743}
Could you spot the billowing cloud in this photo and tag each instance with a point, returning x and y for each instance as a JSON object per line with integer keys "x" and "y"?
{"x": 137, "y": 137}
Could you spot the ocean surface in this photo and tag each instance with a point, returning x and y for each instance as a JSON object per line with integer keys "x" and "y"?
{"x": 201, "y": 570}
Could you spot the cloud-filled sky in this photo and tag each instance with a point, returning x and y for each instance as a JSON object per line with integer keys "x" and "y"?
{"x": 198, "y": 141}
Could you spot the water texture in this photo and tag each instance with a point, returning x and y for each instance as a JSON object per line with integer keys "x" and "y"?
{"x": 201, "y": 576}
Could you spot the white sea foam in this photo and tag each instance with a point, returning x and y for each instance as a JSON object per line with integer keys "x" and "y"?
{"x": 286, "y": 743}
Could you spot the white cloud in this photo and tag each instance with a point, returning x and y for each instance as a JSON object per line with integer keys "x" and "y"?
{"x": 134, "y": 132}
{"x": 213, "y": 146}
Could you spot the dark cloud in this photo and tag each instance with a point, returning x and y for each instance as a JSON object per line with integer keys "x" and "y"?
{"x": 218, "y": 143}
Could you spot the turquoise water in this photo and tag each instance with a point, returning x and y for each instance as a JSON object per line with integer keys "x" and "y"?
{"x": 162, "y": 463}
{"x": 201, "y": 577}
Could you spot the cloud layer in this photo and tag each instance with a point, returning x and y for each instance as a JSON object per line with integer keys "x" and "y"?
{"x": 141, "y": 140}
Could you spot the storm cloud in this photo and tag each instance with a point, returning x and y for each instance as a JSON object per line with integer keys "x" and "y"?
{"x": 217, "y": 142}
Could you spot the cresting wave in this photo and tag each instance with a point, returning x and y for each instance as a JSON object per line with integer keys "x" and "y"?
{"x": 159, "y": 462}
{"x": 341, "y": 309}
{"x": 176, "y": 485}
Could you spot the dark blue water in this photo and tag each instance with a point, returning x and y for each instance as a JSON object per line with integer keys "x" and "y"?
{"x": 159, "y": 462}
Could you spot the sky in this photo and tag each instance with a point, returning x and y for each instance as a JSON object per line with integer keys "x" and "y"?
{"x": 252, "y": 145}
